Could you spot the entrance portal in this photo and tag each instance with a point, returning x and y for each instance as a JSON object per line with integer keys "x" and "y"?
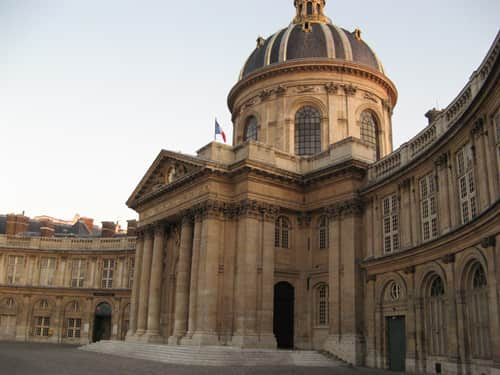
{"x": 102, "y": 322}
{"x": 284, "y": 297}
{"x": 396, "y": 343}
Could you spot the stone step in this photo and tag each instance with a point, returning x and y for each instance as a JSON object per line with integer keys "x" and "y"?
{"x": 212, "y": 355}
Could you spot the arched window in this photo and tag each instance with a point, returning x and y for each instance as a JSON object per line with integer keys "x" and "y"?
{"x": 307, "y": 131}
{"x": 324, "y": 240}
{"x": 477, "y": 312}
{"x": 369, "y": 130}
{"x": 435, "y": 317}
{"x": 322, "y": 313}
{"x": 44, "y": 304}
{"x": 309, "y": 8}
{"x": 251, "y": 129}
{"x": 282, "y": 233}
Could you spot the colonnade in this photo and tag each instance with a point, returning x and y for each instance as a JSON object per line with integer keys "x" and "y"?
{"x": 222, "y": 280}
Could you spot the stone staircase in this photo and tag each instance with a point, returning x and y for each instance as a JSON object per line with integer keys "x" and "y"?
{"x": 212, "y": 355}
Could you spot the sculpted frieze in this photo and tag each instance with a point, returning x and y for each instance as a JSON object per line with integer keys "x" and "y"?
{"x": 347, "y": 208}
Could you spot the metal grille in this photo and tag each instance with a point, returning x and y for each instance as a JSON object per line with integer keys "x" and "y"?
{"x": 322, "y": 293}
{"x": 307, "y": 131}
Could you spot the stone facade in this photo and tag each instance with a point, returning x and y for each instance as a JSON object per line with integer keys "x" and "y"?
{"x": 64, "y": 290}
{"x": 311, "y": 232}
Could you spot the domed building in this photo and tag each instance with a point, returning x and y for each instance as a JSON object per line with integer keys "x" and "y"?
{"x": 311, "y": 232}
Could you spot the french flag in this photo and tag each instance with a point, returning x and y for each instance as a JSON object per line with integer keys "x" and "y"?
{"x": 219, "y": 131}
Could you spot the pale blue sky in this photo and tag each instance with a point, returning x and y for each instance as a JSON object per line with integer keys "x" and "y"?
{"x": 91, "y": 91}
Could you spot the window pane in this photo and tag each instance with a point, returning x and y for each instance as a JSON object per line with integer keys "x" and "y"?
{"x": 307, "y": 131}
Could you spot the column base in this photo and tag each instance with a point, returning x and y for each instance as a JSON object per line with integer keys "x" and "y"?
{"x": 268, "y": 341}
{"x": 245, "y": 340}
{"x": 152, "y": 337}
{"x": 174, "y": 340}
{"x": 205, "y": 339}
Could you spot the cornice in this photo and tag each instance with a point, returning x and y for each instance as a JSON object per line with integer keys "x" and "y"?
{"x": 317, "y": 65}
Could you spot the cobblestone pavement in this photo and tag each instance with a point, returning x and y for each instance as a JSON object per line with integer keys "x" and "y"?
{"x": 47, "y": 359}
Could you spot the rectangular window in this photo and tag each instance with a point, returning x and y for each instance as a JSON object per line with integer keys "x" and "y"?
{"x": 74, "y": 328}
{"x": 131, "y": 273}
{"x": 15, "y": 269}
{"x": 428, "y": 207}
{"x": 466, "y": 184}
{"x": 47, "y": 269}
{"x": 391, "y": 223}
{"x": 78, "y": 267}
{"x": 42, "y": 326}
{"x": 107, "y": 273}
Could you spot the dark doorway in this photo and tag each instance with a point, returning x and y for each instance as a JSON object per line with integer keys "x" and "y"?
{"x": 102, "y": 323}
{"x": 396, "y": 343}
{"x": 284, "y": 296}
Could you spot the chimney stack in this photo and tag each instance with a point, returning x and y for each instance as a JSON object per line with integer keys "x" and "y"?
{"x": 46, "y": 228}
{"x": 16, "y": 224}
{"x": 131, "y": 228}
{"x": 108, "y": 229}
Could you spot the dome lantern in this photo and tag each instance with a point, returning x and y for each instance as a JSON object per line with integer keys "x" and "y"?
{"x": 310, "y": 11}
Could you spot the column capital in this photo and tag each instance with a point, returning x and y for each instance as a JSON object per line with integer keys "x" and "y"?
{"x": 159, "y": 229}
{"x": 353, "y": 207}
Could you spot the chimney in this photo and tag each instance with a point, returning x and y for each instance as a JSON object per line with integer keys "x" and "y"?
{"x": 108, "y": 229}
{"x": 10, "y": 229}
{"x": 89, "y": 223}
{"x": 131, "y": 228}
{"x": 46, "y": 228}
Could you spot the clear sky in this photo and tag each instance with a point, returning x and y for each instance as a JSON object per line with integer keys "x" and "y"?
{"x": 91, "y": 91}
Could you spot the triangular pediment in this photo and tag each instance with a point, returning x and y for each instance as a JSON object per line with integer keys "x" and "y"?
{"x": 168, "y": 169}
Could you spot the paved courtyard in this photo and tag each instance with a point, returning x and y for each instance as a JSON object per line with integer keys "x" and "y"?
{"x": 46, "y": 359}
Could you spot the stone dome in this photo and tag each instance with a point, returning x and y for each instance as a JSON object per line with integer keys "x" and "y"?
{"x": 311, "y": 37}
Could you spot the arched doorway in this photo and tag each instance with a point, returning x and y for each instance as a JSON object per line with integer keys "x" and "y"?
{"x": 284, "y": 297}
{"x": 102, "y": 322}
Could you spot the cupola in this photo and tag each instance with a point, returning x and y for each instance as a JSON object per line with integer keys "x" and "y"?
{"x": 310, "y": 11}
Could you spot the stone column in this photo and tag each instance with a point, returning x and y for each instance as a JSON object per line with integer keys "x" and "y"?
{"x": 134, "y": 301}
{"x": 195, "y": 264}
{"x": 334, "y": 285}
{"x": 144, "y": 282}
{"x": 153, "y": 328}
{"x": 246, "y": 291}
{"x": 267, "y": 338}
{"x": 183, "y": 281}
{"x": 206, "y": 330}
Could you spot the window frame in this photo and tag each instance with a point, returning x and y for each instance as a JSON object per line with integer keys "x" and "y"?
{"x": 307, "y": 133}
{"x": 429, "y": 207}
{"x": 15, "y": 269}
{"x": 324, "y": 233}
{"x": 466, "y": 184}
{"x": 322, "y": 304}
{"x": 47, "y": 269}
{"x": 282, "y": 231}
{"x": 391, "y": 224}
{"x": 78, "y": 272}
{"x": 107, "y": 274}
{"x": 42, "y": 326}
{"x": 369, "y": 132}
